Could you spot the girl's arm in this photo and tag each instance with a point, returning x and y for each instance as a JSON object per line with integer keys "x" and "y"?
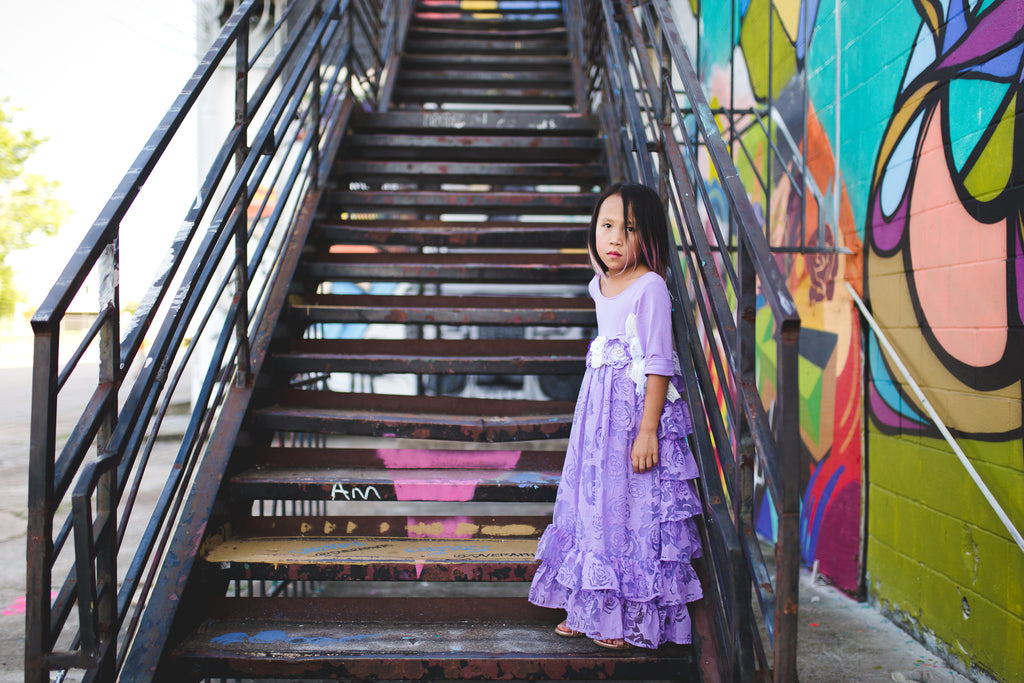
{"x": 645, "y": 448}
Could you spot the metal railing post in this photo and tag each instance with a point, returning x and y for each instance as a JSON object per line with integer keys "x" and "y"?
{"x": 665, "y": 114}
{"x": 743, "y": 491}
{"x": 315, "y": 114}
{"x": 110, "y": 373}
{"x": 787, "y": 555}
{"x": 241, "y": 226}
{"x": 39, "y": 543}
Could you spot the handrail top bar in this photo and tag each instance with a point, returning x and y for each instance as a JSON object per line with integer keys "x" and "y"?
{"x": 60, "y": 296}
{"x": 777, "y": 293}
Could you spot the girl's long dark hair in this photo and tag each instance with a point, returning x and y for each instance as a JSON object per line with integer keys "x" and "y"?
{"x": 643, "y": 209}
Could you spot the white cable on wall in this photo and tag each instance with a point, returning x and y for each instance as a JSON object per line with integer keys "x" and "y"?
{"x": 1000, "y": 513}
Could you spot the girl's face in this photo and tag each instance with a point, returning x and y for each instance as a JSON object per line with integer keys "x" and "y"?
{"x": 615, "y": 237}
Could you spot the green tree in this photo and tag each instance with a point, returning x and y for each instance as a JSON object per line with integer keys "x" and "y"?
{"x": 28, "y": 202}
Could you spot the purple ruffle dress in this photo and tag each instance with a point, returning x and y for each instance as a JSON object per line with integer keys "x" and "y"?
{"x": 617, "y": 555}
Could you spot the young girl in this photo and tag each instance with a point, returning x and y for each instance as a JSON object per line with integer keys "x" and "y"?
{"x": 617, "y": 555}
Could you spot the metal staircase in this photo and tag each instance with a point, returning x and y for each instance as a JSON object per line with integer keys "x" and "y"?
{"x": 371, "y": 461}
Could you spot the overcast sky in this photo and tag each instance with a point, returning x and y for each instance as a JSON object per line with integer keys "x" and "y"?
{"x": 95, "y": 78}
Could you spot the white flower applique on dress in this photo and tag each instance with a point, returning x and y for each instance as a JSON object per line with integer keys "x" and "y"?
{"x": 638, "y": 368}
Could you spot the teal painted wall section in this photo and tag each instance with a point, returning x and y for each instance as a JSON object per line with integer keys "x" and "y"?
{"x": 929, "y": 192}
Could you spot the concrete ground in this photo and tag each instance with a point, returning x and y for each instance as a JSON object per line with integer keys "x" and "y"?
{"x": 839, "y": 638}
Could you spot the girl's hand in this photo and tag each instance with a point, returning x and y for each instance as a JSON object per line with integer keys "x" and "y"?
{"x": 645, "y": 451}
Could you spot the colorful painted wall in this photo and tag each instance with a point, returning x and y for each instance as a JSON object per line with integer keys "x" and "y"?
{"x": 921, "y": 123}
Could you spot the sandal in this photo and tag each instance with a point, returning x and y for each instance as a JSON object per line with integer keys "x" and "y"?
{"x": 566, "y": 632}
{"x": 613, "y": 644}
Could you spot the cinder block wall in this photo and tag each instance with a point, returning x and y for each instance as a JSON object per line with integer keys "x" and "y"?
{"x": 921, "y": 124}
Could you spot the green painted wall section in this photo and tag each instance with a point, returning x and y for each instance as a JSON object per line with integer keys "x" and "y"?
{"x": 938, "y": 559}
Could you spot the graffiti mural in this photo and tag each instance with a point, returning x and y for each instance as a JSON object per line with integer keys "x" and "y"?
{"x": 907, "y": 122}
{"x": 944, "y": 223}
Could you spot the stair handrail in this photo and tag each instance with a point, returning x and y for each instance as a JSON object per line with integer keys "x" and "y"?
{"x": 908, "y": 379}
{"x": 211, "y": 290}
{"x": 633, "y": 64}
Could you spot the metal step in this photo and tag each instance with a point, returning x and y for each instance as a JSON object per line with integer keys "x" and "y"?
{"x": 531, "y": 124}
{"x": 437, "y": 233}
{"x": 476, "y": 268}
{"x": 491, "y": 95}
{"x": 373, "y": 558}
{"x": 394, "y": 484}
{"x": 386, "y": 526}
{"x": 435, "y": 356}
{"x": 510, "y": 18}
{"x": 409, "y": 639}
{"x": 445, "y": 310}
{"x": 417, "y": 417}
{"x": 507, "y": 203}
{"x": 423, "y": 147}
{"x": 508, "y": 458}
{"x": 479, "y": 78}
{"x": 470, "y": 30}
{"x": 416, "y": 174}
{"x": 406, "y": 474}
{"x": 497, "y": 45}
{"x": 414, "y": 60}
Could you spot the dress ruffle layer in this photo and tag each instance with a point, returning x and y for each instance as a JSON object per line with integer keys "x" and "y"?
{"x": 618, "y": 556}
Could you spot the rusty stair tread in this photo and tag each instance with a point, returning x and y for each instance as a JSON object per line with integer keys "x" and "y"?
{"x": 451, "y": 142}
{"x": 495, "y": 45}
{"x": 485, "y": 77}
{"x": 410, "y": 639}
{"x": 472, "y": 122}
{"x": 484, "y": 94}
{"x": 453, "y": 233}
{"x": 445, "y": 310}
{"x": 435, "y": 458}
{"x": 441, "y": 348}
{"x": 470, "y": 172}
{"x": 394, "y": 484}
{"x": 483, "y": 148}
{"x": 471, "y": 21}
{"x": 524, "y": 259}
{"x": 457, "y": 267}
{"x": 537, "y": 62}
{"x": 518, "y": 31}
{"x": 451, "y": 201}
{"x": 512, "y": 202}
{"x": 402, "y": 526}
{"x": 425, "y": 417}
{"x": 435, "y": 356}
{"x": 370, "y": 550}
{"x": 412, "y": 557}
{"x": 435, "y": 405}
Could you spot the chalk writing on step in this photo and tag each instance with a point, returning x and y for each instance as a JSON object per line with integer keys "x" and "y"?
{"x": 354, "y": 492}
